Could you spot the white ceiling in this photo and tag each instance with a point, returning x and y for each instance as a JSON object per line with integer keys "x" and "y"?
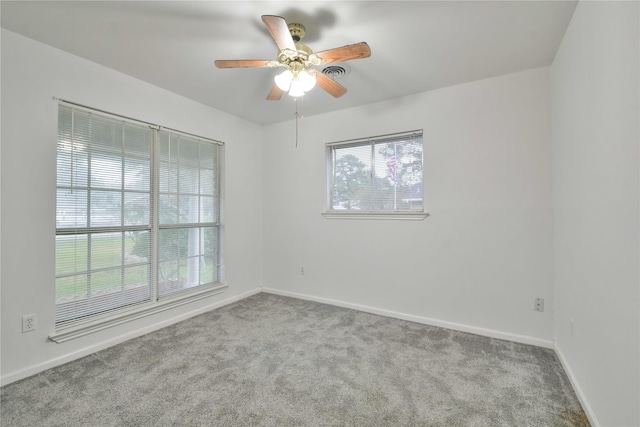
{"x": 415, "y": 45}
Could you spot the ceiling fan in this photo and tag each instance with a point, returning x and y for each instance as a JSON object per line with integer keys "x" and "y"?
{"x": 298, "y": 61}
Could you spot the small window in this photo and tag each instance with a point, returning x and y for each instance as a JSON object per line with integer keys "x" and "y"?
{"x": 376, "y": 174}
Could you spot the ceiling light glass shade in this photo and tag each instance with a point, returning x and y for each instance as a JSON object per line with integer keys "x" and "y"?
{"x": 283, "y": 80}
{"x": 307, "y": 80}
{"x": 296, "y": 88}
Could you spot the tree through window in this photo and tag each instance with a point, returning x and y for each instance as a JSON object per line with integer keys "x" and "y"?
{"x": 377, "y": 174}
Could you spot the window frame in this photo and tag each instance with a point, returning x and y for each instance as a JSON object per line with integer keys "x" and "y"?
{"x": 69, "y": 329}
{"x": 330, "y": 149}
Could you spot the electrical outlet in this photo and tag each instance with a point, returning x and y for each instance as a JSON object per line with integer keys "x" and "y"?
{"x": 302, "y": 270}
{"x": 538, "y": 304}
{"x": 29, "y": 323}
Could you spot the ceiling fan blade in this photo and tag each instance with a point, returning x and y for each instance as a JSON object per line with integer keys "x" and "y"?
{"x": 279, "y": 30}
{"x": 275, "y": 93}
{"x": 334, "y": 88}
{"x": 345, "y": 53}
{"x": 242, "y": 63}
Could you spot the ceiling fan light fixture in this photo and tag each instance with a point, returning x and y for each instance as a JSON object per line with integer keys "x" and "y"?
{"x": 296, "y": 89}
{"x": 296, "y": 83}
{"x": 307, "y": 80}
{"x": 283, "y": 80}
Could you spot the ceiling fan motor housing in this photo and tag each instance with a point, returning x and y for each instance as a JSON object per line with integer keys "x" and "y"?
{"x": 301, "y": 58}
{"x": 297, "y": 31}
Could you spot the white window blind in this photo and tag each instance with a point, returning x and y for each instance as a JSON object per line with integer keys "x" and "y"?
{"x": 375, "y": 174}
{"x": 137, "y": 214}
{"x": 188, "y": 213}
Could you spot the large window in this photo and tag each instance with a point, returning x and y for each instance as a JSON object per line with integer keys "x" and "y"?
{"x": 377, "y": 174}
{"x": 137, "y": 215}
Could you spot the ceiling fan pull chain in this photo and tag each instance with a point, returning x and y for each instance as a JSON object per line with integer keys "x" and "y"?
{"x": 295, "y": 100}
{"x": 301, "y": 116}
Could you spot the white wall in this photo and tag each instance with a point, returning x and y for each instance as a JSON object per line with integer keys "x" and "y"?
{"x": 482, "y": 256}
{"x": 32, "y": 74}
{"x": 595, "y": 116}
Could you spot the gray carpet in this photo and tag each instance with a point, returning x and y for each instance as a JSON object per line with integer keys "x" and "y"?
{"x": 275, "y": 361}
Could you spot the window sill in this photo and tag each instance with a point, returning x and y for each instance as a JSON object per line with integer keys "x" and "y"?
{"x": 414, "y": 216}
{"x": 96, "y": 325}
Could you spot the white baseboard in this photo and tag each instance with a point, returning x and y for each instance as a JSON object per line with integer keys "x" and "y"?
{"x": 34, "y": 369}
{"x": 523, "y": 339}
{"x": 576, "y": 387}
